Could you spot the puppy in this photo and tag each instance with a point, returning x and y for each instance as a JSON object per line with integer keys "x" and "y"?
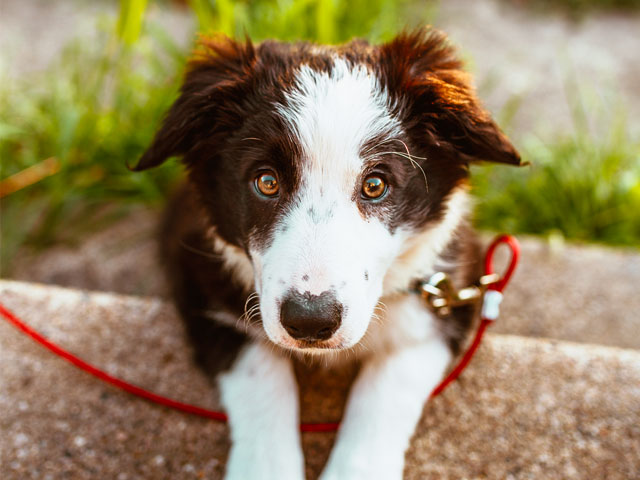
{"x": 324, "y": 182}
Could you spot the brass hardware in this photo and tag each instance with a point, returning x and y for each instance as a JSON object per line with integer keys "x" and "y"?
{"x": 441, "y": 295}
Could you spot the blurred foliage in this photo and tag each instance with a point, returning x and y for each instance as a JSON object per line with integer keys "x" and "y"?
{"x": 97, "y": 107}
{"x": 324, "y": 21}
{"x": 92, "y": 111}
{"x": 130, "y": 19}
{"x": 584, "y": 186}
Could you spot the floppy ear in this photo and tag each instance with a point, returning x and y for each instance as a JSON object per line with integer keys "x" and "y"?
{"x": 424, "y": 66}
{"x": 214, "y": 78}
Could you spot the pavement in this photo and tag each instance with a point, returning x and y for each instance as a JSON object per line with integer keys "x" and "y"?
{"x": 525, "y": 408}
{"x": 540, "y": 400}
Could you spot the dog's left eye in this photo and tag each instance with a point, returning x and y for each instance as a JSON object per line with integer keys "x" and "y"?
{"x": 373, "y": 187}
{"x": 267, "y": 184}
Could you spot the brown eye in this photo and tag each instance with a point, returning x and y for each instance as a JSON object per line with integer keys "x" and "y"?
{"x": 267, "y": 184}
{"x": 373, "y": 187}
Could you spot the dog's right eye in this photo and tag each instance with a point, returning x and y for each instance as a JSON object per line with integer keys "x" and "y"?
{"x": 267, "y": 184}
{"x": 373, "y": 187}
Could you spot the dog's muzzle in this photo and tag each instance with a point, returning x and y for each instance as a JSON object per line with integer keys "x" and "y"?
{"x": 311, "y": 317}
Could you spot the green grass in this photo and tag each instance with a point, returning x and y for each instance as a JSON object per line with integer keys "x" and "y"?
{"x": 324, "y": 21}
{"x": 92, "y": 111}
{"x": 584, "y": 186}
{"x": 98, "y": 105}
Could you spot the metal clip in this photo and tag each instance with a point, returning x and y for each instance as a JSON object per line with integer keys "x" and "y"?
{"x": 441, "y": 295}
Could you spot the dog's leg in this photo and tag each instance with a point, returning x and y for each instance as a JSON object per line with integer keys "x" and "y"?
{"x": 384, "y": 407}
{"x": 260, "y": 396}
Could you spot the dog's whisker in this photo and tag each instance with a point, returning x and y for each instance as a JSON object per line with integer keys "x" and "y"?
{"x": 381, "y": 306}
{"x": 250, "y": 298}
{"x": 408, "y": 156}
{"x": 248, "y": 317}
{"x": 251, "y": 319}
{"x": 411, "y": 158}
{"x": 253, "y": 308}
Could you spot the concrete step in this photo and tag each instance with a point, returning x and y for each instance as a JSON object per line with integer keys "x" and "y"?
{"x": 525, "y": 408}
{"x": 574, "y": 292}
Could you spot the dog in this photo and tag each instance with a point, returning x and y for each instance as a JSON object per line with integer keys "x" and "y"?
{"x": 323, "y": 183}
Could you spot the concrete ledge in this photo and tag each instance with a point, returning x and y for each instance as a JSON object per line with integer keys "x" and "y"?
{"x": 524, "y": 409}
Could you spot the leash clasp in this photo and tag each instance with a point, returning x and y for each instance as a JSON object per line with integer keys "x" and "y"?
{"x": 441, "y": 295}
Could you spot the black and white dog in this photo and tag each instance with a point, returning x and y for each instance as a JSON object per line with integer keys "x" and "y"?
{"x": 324, "y": 181}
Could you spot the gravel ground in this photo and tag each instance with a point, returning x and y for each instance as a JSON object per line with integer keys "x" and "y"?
{"x": 578, "y": 293}
{"x": 524, "y": 409}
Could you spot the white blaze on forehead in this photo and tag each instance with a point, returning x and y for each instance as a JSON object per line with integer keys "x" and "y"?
{"x": 333, "y": 114}
{"x": 325, "y": 243}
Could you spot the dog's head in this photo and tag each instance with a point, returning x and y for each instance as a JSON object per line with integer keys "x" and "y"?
{"x": 331, "y": 175}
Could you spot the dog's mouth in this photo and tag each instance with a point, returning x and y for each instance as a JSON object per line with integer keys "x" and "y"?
{"x": 313, "y": 346}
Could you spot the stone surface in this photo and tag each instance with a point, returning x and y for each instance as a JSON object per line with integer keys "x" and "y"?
{"x": 121, "y": 258}
{"x": 578, "y": 293}
{"x": 524, "y": 409}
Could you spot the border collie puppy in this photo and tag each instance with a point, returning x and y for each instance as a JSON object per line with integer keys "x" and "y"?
{"x": 324, "y": 182}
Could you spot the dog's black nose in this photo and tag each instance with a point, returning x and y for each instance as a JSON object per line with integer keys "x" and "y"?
{"x": 311, "y": 317}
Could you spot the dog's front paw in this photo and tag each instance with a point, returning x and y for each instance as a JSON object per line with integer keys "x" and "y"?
{"x": 253, "y": 462}
{"x": 359, "y": 466}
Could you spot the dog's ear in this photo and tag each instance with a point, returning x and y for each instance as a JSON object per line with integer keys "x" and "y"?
{"x": 215, "y": 77}
{"x": 424, "y": 68}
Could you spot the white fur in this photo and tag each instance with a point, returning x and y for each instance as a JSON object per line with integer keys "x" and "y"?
{"x": 383, "y": 409}
{"x": 406, "y": 359}
{"x": 335, "y": 253}
{"x": 421, "y": 251}
{"x": 261, "y": 399}
{"x": 235, "y": 260}
{"x": 332, "y": 260}
{"x": 403, "y": 321}
{"x": 325, "y": 243}
{"x": 331, "y": 116}
{"x": 417, "y": 259}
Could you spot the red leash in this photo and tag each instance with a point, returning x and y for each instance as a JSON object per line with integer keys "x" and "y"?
{"x": 489, "y": 314}
{"x": 490, "y": 307}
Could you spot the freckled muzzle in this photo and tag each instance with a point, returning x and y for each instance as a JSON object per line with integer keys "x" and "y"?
{"x": 311, "y": 317}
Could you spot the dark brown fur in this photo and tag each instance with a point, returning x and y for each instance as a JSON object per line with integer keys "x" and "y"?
{"x": 223, "y": 126}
